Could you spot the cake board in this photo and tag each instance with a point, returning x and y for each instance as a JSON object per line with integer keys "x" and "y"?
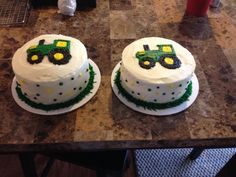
{"x": 159, "y": 112}
{"x": 22, "y": 104}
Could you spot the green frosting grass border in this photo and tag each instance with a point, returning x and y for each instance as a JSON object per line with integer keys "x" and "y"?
{"x": 57, "y": 106}
{"x": 151, "y": 105}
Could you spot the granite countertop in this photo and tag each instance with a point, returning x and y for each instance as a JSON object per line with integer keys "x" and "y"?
{"x": 104, "y": 122}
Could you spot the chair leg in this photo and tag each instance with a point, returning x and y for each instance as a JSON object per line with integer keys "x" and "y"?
{"x": 27, "y": 164}
{"x": 195, "y": 153}
{"x": 47, "y": 167}
{"x": 117, "y": 173}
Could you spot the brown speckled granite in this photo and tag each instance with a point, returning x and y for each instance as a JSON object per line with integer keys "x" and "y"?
{"x": 121, "y": 4}
{"x": 104, "y": 122}
{"x": 119, "y": 28}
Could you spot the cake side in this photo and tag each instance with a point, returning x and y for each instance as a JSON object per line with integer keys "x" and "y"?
{"x": 150, "y": 92}
{"x": 55, "y": 91}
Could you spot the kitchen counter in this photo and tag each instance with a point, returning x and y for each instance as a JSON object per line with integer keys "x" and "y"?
{"x": 104, "y": 122}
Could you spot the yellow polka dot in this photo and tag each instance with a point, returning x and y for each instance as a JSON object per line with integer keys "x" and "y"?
{"x": 169, "y": 61}
{"x": 157, "y": 93}
{"x": 80, "y": 74}
{"x": 171, "y": 86}
{"x": 146, "y": 63}
{"x": 69, "y": 93}
{"x": 49, "y": 91}
{"x": 34, "y": 57}
{"x": 142, "y": 97}
{"x": 58, "y": 56}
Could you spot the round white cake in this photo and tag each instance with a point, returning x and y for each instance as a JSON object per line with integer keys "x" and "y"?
{"x": 156, "y": 70}
{"x": 51, "y": 69}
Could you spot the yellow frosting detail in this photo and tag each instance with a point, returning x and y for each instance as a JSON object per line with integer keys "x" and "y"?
{"x": 49, "y": 90}
{"x": 33, "y": 46}
{"x": 34, "y": 57}
{"x": 58, "y": 56}
{"x": 167, "y": 49}
{"x": 69, "y": 93}
{"x": 169, "y": 61}
{"x": 146, "y": 62}
{"x": 22, "y": 82}
{"x": 80, "y": 74}
{"x": 141, "y": 52}
{"x": 171, "y": 86}
{"x": 61, "y": 44}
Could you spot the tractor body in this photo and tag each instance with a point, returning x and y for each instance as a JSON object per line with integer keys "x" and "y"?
{"x": 164, "y": 54}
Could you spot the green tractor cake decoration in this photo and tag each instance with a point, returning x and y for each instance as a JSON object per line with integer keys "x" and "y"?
{"x": 58, "y": 52}
{"x": 164, "y": 54}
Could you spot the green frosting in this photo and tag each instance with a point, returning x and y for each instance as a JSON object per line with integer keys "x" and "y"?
{"x": 151, "y": 105}
{"x": 58, "y": 52}
{"x": 56, "y": 106}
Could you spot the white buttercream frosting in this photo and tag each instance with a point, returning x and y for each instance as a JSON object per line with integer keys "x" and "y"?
{"x": 158, "y": 74}
{"x": 47, "y": 71}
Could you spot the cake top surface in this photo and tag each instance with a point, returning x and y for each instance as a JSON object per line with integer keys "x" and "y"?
{"x": 144, "y": 58}
{"x": 49, "y": 57}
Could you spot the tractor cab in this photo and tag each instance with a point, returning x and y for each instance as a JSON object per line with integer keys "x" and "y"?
{"x": 61, "y": 43}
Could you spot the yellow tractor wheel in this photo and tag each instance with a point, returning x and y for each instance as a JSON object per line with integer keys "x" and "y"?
{"x": 59, "y": 56}
{"x": 35, "y": 57}
{"x": 170, "y": 61}
{"x": 147, "y": 63}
